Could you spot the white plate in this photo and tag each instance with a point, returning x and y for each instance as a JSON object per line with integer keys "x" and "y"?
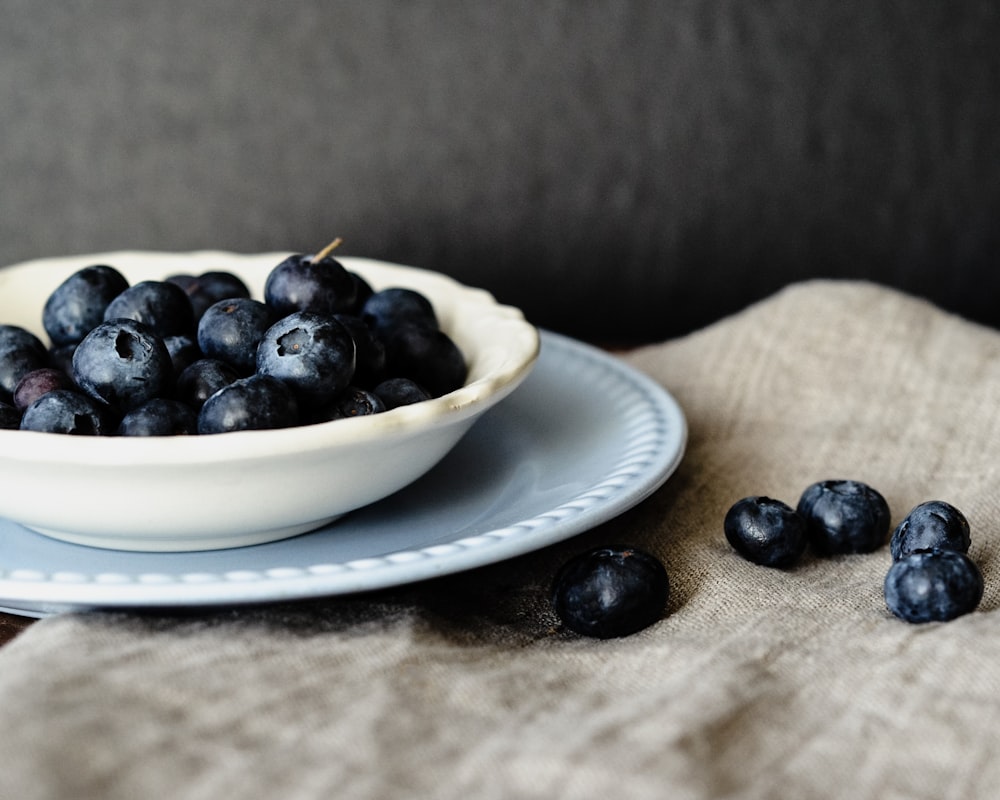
{"x": 583, "y": 439}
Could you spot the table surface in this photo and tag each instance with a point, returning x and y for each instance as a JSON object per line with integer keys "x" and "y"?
{"x": 11, "y": 625}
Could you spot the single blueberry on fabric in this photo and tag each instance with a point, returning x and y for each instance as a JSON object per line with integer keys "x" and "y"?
{"x": 766, "y": 531}
{"x": 610, "y": 592}
{"x": 933, "y": 524}
{"x": 933, "y": 586}
{"x": 844, "y": 516}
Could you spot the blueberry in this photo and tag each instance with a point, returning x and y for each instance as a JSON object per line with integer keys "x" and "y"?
{"x": 183, "y": 350}
{"x": 17, "y": 361}
{"x": 610, "y": 592}
{"x": 78, "y": 304}
{"x": 844, "y": 517}
{"x": 123, "y": 363}
{"x": 202, "y": 379}
{"x": 231, "y": 329}
{"x": 161, "y": 306}
{"x": 427, "y": 356}
{"x": 254, "y": 403}
{"x": 369, "y": 351}
{"x": 10, "y": 417}
{"x": 395, "y": 392}
{"x": 933, "y": 586}
{"x": 394, "y": 306}
{"x": 362, "y": 291}
{"x": 352, "y": 402}
{"x": 37, "y": 382}
{"x": 209, "y": 288}
{"x": 319, "y": 285}
{"x": 67, "y": 411}
{"x": 934, "y": 524}
{"x": 159, "y": 417}
{"x": 766, "y": 531}
{"x": 311, "y": 353}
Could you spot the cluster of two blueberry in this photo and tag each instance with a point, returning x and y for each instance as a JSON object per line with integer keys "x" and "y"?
{"x": 931, "y": 579}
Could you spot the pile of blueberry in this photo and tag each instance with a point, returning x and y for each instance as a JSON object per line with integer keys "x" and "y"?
{"x": 931, "y": 578}
{"x": 196, "y": 354}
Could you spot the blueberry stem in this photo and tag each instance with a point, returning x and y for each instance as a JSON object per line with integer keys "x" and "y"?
{"x": 328, "y": 249}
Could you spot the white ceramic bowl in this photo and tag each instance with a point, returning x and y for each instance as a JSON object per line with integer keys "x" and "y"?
{"x": 234, "y": 489}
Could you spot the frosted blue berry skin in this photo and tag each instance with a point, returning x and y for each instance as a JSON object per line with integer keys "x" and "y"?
{"x": 69, "y": 412}
{"x": 610, "y": 592}
{"x": 159, "y": 305}
{"x": 844, "y": 516}
{"x": 160, "y": 417}
{"x": 933, "y": 586}
{"x": 311, "y": 353}
{"x": 765, "y": 531}
{"x": 231, "y": 329}
{"x": 122, "y": 363}
{"x": 303, "y": 283}
{"x": 203, "y": 378}
{"x": 394, "y": 306}
{"x": 258, "y": 402}
{"x": 78, "y": 304}
{"x": 21, "y": 352}
{"x": 929, "y": 525}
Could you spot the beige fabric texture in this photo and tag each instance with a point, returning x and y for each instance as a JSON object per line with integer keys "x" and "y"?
{"x": 757, "y": 683}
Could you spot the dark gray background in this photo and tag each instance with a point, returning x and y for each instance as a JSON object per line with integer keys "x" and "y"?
{"x": 622, "y": 170}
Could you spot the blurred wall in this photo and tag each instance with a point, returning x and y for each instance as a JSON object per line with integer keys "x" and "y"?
{"x": 622, "y": 170}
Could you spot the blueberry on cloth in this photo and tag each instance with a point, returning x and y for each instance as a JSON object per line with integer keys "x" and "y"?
{"x": 123, "y": 363}
{"x": 766, "y": 531}
{"x": 610, "y": 592}
{"x": 933, "y": 586}
{"x": 844, "y": 517}
{"x": 929, "y": 525}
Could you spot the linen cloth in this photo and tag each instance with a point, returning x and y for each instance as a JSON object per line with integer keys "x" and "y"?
{"x": 757, "y": 683}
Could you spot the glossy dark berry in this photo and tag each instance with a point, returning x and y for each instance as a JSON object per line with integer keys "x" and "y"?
{"x": 231, "y": 329}
{"x": 303, "y": 283}
{"x": 766, "y": 531}
{"x": 10, "y": 417}
{"x": 427, "y": 356}
{"x": 69, "y": 412}
{"x": 352, "y": 402}
{"x": 37, "y": 382}
{"x": 394, "y": 306}
{"x": 202, "y": 379}
{"x": 258, "y": 402}
{"x": 21, "y": 352}
{"x": 184, "y": 351}
{"x": 209, "y": 288}
{"x": 933, "y": 586}
{"x": 369, "y": 351}
{"x": 934, "y": 524}
{"x": 844, "y": 517}
{"x": 122, "y": 363}
{"x": 396, "y": 392}
{"x": 161, "y": 306}
{"x": 610, "y": 592}
{"x": 159, "y": 417}
{"x": 311, "y": 353}
{"x": 78, "y": 304}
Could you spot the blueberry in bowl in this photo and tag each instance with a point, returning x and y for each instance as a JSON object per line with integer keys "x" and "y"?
{"x": 164, "y": 488}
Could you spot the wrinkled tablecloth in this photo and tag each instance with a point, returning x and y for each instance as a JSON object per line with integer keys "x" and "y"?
{"x": 757, "y": 683}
